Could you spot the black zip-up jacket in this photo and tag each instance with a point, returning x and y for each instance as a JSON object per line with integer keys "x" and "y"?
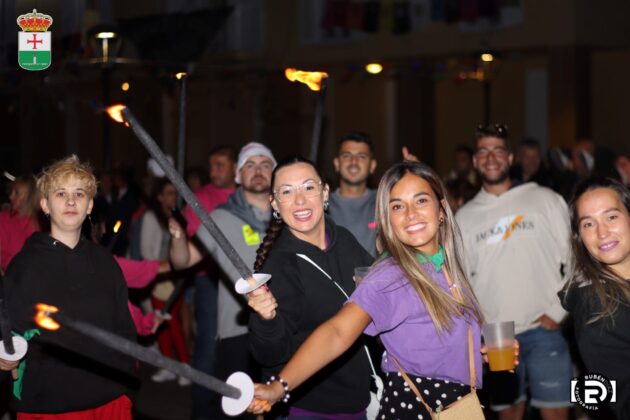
{"x": 306, "y": 298}
{"x": 66, "y": 371}
{"x": 605, "y": 344}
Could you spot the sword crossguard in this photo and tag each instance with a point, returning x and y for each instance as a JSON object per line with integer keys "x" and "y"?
{"x": 244, "y": 287}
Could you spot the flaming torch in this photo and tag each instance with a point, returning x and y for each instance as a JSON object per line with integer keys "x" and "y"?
{"x": 115, "y": 229}
{"x": 318, "y": 82}
{"x": 248, "y": 281}
{"x": 238, "y": 391}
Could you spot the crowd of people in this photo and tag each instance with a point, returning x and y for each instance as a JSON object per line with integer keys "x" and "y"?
{"x": 502, "y": 237}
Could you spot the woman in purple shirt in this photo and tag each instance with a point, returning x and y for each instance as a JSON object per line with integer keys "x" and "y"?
{"x": 416, "y": 299}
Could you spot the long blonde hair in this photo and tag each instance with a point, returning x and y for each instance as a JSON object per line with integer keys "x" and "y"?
{"x": 440, "y": 304}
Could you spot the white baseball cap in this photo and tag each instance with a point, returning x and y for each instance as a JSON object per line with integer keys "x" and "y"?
{"x": 251, "y": 149}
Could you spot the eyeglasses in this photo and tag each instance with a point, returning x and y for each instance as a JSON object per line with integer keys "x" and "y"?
{"x": 286, "y": 193}
{"x": 499, "y": 152}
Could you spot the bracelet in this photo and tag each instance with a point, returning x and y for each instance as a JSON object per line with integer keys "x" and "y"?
{"x": 285, "y": 386}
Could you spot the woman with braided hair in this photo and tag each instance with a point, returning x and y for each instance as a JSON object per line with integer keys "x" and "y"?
{"x": 310, "y": 259}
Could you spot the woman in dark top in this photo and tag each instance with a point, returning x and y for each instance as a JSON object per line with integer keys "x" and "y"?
{"x": 306, "y": 253}
{"x": 598, "y": 294}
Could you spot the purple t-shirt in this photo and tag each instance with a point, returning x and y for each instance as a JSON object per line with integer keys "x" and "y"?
{"x": 402, "y": 322}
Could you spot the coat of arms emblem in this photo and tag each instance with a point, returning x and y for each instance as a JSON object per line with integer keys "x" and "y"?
{"x": 34, "y": 41}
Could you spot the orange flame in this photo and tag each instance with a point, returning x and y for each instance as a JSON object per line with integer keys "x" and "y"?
{"x": 43, "y": 319}
{"x": 115, "y": 112}
{"x": 117, "y": 226}
{"x": 312, "y": 79}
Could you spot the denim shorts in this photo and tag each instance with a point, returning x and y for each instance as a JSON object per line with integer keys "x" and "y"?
{"x": 545, "y": 369}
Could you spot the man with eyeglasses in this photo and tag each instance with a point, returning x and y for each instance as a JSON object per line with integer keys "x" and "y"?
{"x": 516, "y": 240}
{"x": 243, "y": 219}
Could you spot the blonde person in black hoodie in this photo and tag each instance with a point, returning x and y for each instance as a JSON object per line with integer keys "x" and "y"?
{"x": 598, "y": 294}
{"x": 67, "y": 376}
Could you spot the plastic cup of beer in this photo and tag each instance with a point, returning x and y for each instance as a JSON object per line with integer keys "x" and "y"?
{"x": 499, "y": 340}
{"x": 360, "y": 273}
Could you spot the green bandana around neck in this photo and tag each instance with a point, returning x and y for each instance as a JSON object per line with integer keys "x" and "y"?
{"x": 436, "y": 259}
{"x": 17, "y": 383}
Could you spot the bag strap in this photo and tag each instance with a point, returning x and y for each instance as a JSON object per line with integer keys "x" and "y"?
{"x": 471, "y": 358}
{"x": 410, "y": 384}
{"x": 367, "y": 352}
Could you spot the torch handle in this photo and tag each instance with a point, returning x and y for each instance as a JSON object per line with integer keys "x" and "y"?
{"x": 151, "y": 357}
{"x": 187, "y": 194}
{"x": 181, "y": 134}
{"x": 112, "y": 242}
{"x": 5, "y": 328}
{"x": 317, "y": 121}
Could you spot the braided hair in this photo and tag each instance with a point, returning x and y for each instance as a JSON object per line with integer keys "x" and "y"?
{"x": 276, "y": 226}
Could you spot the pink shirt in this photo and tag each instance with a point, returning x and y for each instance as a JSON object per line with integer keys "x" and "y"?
{"x": 144, "y": 322}
{"x": 210, "y": 197}
{"x": 14, "y": 231}
{"x": 139, "y": 274}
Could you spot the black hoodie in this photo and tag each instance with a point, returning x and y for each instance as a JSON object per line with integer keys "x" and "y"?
{"x": 604, "y": 345}
{"x": 306, "y": 298}
{"x": 66, "y": 371}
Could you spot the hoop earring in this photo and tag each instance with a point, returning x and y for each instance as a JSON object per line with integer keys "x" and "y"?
{"x": 276, "y": 215}
{"x": 326, "y": 205}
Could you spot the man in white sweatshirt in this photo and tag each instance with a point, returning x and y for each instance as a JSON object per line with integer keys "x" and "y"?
{"x": 517, "y": 245}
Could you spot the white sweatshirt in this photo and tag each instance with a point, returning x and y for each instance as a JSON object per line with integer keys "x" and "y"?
{"x": 515, "y": 244}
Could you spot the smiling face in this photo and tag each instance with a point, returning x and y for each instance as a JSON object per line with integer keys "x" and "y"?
{"x": 354, "y": 162}
{"x": 492, "y": 159}
{"x": 415, "y": 213}
{"x": 67, "y": 203}
{"x": 299, "y": 196}
{"x": 604, "y": 227}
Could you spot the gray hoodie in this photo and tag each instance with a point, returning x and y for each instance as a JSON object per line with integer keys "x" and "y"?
{"x": 244, "y": 226}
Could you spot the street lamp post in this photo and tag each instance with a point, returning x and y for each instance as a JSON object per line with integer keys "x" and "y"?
{"x": 106, "y": 36}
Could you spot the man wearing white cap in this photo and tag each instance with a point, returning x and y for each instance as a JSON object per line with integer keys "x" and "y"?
{"x": 243, "y": 219}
